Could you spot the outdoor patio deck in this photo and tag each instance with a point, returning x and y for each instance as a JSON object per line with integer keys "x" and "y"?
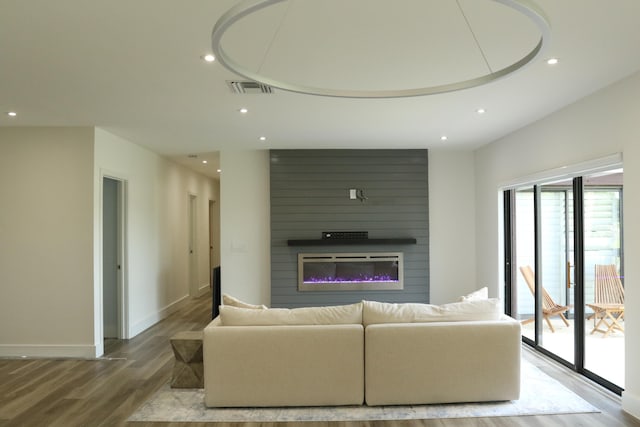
{"x": 604, "y": 356}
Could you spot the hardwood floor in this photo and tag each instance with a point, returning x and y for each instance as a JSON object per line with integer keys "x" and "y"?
{"x": 104, "y": 392}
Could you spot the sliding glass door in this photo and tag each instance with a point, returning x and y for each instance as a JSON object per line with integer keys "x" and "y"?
{"x": 554, "y": 268}
{"x": 604, "y": 277}
{"x": 560, "y": 237}
{"x": 524, "y": 248}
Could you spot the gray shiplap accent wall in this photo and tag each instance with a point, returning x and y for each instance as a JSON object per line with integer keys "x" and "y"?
{"x": 310, "y": 194}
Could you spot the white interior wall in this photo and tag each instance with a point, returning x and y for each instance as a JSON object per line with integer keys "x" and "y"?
{"x": 245, "y": 252}
{"x": 245, "y": 233}
{"x": 599, "y": 125}
{"x": 50, "y": 237}
{"x": 46, "y": 246}
{"x": 452, "y": 260}
{"x": 156, "y": 219}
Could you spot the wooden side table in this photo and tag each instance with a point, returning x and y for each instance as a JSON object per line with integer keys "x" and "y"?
{"x": 608, "y": 317}
{"x": 188, "y": 369}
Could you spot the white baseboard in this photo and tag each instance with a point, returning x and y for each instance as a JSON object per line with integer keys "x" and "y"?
{"x": 48, "y": 351}
{"x": 154, "y": 318}
{"x": 204, "y": 288}
{"x": 631, "y": 404}
{"x": 90, "y": 351}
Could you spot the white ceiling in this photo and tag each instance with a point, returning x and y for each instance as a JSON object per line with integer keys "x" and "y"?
{"x": 135, "y": 69}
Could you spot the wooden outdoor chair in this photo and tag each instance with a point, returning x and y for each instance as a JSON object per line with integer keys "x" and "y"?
{"x": 608, "y": 304}
{"x": 549, "y": 306}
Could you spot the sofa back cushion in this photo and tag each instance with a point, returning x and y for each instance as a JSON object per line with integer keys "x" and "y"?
{"x": 381, "y": 312}
{"x": 333, "y": 315}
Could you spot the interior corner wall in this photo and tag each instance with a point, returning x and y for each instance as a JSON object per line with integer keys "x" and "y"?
{"x": 592, "y": 128}
{"x": 452, "y": 232}
{"x": 156, "y": 217}
{"x": 46, "y": 246}
{"x": 244, "y": 217}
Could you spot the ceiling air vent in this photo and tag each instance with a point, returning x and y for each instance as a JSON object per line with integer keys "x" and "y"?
{"x": 248, "y": 86}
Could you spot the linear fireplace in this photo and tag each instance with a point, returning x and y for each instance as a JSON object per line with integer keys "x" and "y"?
{"x": 350, "y": 271}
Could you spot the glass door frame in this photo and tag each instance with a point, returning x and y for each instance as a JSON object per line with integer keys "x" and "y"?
{"x": 510, "y": 289}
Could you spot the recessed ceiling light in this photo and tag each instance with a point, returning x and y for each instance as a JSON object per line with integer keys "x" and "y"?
{"x": 263, "y": 138}
{"x": 219, "y": 170}
{"x": 443, "y": 138}
{"x": 209, "y": 57}
{"x": 204, "y": 162}
{"x": 243, "y": 110}
{"x": 481, "y": 111}
{"x": 552, "y": 61}
{"x": 11, "y": 113}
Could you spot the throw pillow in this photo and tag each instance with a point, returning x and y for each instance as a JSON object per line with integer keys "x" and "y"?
{"x": 482, "y": 293}
{"x": 235, "y": 302}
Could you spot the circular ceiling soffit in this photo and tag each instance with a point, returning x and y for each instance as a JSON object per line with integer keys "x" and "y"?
{"x": 247, "y": 7}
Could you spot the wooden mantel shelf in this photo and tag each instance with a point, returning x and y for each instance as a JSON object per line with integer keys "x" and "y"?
{"x": 335, "y": 242}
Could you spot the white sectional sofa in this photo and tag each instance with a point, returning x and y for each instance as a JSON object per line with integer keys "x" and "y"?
{"x": 367, "y": 353}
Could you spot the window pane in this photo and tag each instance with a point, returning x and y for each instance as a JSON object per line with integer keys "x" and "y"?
{"x": 525, "y": 259}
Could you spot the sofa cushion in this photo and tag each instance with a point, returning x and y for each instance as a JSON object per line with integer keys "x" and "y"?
{"x": 443, "y": 362}
{"x": 381, "y": 312}
{"x": 288, "y": 365}
{"x": 235, "y": 302}
{"x": 333, "y": 315}
{"x": 482, "y": 293}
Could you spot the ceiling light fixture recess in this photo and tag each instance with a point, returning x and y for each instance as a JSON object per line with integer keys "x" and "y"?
{"x": 209, "y": 57}
{"x": 248, "y": 7}
{"x": 263, "y": 138}
{"x": 443, "y": 138}
{"x": 243, "y": 111}
{"x": 11, "y": 113}
{"x": 481, "y": 111}
{"x": 552, "y": 61}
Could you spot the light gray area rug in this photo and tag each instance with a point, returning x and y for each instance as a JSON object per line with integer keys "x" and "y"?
{"x": 540, "y": 395}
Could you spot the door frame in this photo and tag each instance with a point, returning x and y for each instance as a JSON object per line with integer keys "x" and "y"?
{"x": 575, "y": 173}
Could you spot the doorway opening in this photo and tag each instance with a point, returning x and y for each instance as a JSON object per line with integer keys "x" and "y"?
{"x": 192, "y": 213}
{"x": 114, "y": 325}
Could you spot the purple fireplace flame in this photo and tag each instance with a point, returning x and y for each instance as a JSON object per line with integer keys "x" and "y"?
{"x": 359, "y": 279}
{"x": 344, "y": 271}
